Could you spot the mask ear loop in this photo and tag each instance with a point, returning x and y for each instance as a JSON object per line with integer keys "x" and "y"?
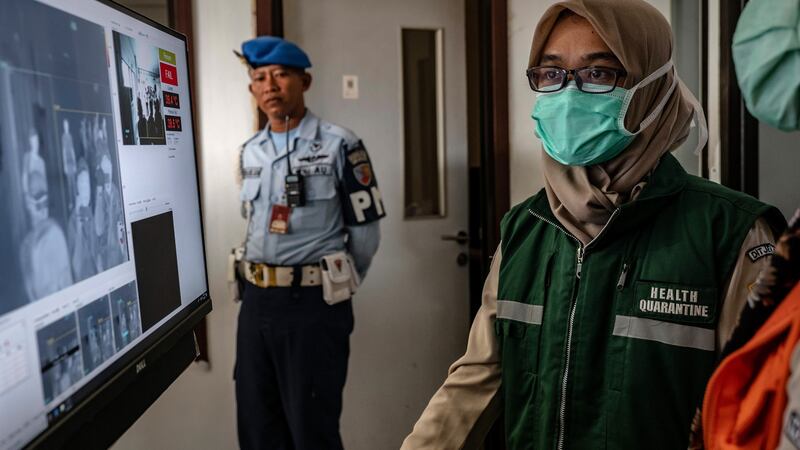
{"x": 699, "y": 118}
{"x": 653, "y": 115}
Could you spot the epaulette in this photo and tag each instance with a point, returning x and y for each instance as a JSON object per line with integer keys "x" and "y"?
{"x": 337, "y": 130}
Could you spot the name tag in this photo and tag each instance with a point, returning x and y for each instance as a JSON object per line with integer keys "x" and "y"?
{"x": 675, "y": 303}
{"x": 314, "y": 169}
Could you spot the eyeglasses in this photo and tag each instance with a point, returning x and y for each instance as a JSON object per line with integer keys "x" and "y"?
{"x": 592, "y": 79}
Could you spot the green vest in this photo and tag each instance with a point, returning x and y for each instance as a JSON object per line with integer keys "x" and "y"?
{"x": 610, "y": 346}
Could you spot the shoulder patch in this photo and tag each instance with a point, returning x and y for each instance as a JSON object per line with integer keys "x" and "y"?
{"x": 362, "y": 202}
{"x": 760, "y": 251}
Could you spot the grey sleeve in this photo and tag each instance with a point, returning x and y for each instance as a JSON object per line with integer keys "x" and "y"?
{"x": 362, "y": 244}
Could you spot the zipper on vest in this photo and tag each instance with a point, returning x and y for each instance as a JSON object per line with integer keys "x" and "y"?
{"x": 562, "y": 408}
{"x": 581, "y": 254}
{"x": 623, "y": 277}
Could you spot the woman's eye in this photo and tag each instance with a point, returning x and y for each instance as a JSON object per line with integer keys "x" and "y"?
{"x": 597, "y": 75}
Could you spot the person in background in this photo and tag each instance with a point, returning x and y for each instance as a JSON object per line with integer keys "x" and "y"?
{"x": 68, "y": 159}
{"x": 44, "y": 256}
{"x": 109, "y": 222}
{"x": 80, "y": 228}
{"x": 313, "y": 209}
{"x": 141, "y": 123}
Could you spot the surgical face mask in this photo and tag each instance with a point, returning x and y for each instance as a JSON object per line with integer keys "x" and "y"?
{"x": 582, "y": 129}
{"x": 766, "y": 60}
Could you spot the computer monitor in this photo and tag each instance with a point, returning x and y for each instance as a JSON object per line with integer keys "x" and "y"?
{"x": 101, "y": 239}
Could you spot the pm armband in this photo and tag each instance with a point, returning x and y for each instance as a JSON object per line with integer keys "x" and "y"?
{"x": 362, "y": 202}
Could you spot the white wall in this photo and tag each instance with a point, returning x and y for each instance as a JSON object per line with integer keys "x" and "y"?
{"x": 198, "y": 410}
{"x": 713, "y": 111}
{"x": 525, "y": 154}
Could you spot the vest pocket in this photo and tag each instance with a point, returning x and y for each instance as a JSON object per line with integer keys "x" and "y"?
{"x": 519, "y": 348}
{"x": 519, "y": 327}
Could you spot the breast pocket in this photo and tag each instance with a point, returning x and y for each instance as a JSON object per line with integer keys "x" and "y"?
{"x": 656, "y": 320}
{"x": 674, "y": 303}
{"x": 321, "y": 205}
{"x": 250, "y": 189}
{"x": 519, "y": 352}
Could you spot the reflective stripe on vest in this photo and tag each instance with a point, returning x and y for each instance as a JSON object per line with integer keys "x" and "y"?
{"x": 521, "y": 312}
{"x": 664, "y": 332}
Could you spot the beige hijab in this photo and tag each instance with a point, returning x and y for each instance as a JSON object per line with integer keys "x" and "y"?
{"x": 583, "y": 198}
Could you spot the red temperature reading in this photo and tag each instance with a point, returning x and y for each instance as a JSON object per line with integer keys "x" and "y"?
{"x": 173, "y": 123}
{"x": 171, "y": 100}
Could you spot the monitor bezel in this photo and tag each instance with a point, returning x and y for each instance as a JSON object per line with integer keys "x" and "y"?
{"x": 101, "y": 390}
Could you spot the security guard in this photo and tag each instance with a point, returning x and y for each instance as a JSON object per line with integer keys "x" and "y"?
{"x": 313, "y": 205}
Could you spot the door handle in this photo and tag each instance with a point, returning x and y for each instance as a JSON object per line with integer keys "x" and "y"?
{"x": 461, "y": 237}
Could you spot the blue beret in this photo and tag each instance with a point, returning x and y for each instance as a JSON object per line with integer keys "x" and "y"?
{"x": 267, "y": 50}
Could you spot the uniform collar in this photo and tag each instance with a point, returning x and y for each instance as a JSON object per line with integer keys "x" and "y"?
{"x": 307, "y": 129}
{"x": 309, "y": 126}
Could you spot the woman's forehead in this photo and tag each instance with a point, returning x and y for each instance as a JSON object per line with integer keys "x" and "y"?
{"x": 574, "y": 37}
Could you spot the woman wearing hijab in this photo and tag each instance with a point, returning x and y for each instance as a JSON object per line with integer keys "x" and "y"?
{"x": 617, "y": 286}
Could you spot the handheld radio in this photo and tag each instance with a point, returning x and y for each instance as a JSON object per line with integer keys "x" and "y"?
{"x": 295, "y": 186}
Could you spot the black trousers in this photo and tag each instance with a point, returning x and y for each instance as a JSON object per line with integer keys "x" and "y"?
{"x": 291, "y": 365}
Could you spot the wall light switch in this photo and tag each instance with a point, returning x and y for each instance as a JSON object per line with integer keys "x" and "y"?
{"x": 350, "y": 87}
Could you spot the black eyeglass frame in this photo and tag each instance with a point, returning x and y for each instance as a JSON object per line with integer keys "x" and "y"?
{"x": 618, "y": 73}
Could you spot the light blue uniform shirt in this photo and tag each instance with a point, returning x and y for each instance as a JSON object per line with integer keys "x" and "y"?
{"x": 318, "y": 228}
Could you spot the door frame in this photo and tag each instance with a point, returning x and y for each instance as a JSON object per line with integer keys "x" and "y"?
{"x": 739, "y": 129}
{"x": 269, "y": 21}
{"x": 487, "y": 100}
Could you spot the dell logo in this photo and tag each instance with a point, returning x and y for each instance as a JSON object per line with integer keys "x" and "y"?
{"x": 140, "y": 366}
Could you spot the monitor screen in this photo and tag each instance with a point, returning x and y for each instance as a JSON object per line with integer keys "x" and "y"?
{"x": 100, "y": 226}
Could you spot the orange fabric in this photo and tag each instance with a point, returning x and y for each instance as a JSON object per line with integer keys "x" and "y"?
{"x": 746, "y": 397}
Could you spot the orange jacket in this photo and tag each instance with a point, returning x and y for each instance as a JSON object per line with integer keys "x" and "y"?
{"x": 746, "y": 397}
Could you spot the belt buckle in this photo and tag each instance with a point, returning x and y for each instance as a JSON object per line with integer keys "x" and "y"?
{"x": 255, "y": 274}
{"x": 270, "y": 277}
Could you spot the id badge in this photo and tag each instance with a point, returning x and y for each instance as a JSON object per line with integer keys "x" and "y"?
{"x": 279, "y": 222}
